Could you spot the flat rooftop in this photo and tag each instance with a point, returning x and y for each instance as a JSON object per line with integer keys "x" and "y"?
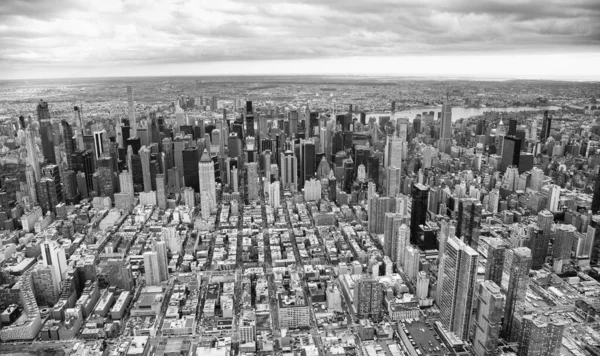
{"x": 423, "y": 335}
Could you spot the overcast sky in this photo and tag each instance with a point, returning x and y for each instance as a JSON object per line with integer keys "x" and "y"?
{"x": 495, "y": 39}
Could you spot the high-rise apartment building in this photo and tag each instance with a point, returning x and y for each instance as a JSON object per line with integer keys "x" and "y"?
{"x": 206, "y": 171}
{"x": 368, "y": 298}
{"x": 458, "y": 285}
{"x": 517, "y": 264}
{"x": 488, "y": 320}
{"x": 151, "y": 268}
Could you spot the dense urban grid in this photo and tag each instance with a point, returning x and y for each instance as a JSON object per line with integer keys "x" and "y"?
{"x": 300, "y": 216}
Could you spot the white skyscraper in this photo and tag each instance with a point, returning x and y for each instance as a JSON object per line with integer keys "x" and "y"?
{"x": 403, "y": 243}
{"x": 151, "y": 269}
{"x": 32, "y": 153}
{"x": 54, "y": 255}
{"x": 160, "y": 247}
{"x": 553, "y": 197}
{"x": 206, "y": 174}
{"x": 274, "y": 195}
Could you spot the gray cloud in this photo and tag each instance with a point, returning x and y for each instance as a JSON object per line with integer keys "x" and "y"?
{"x": 83, "y": 33}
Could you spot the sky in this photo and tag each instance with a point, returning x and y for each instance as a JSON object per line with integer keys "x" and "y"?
{"x": 528, "y": 39}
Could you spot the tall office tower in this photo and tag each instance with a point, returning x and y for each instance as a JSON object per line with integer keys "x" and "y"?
{"x": 31, "y": 183}
{"x": 53, "y": 255}
{"x": 160, "y": 247}
{"x": 190, "y": 168}
{"x": 446, "y": 129}
{"x": 293, "y": 119}
{"x": 206, "y": 168}
{"x": 78, "y": 128}
{"x": 393, "y": 151}
{"x": 411, "y": 262}
{"x": 107, "y": 177}
{"x": 393, "y": 106}
{"x": 538, "y": 243}
{"x": 234, "y": 145}
{"x": 596, "y": 195}
{"x": 512, "y": 127}
{"x": 178, "y": 146}
{"x": 392, "y": 223}
{"x": 99, "y": 143}
{"x": 554, "y": 197}
{"x": 49, "y": 188}
{"x": 393, "y": 181}
{"x": 144, "y": 153}
{"x": 546, "y": 126}
{"x": 403, "y": 242}
{"x": 250, "y": 125}
{"x": 274, "y": 195}
{"x": 252, "y": 181}
{"x": 69, "y": 146}
{"x": 418, "y": 215}
{"x": 373, "y": 168}
{"x": 511, "y": 152}
{"x": 368, "y": 298}
{"x": 488, "y": 320}
{"x": 540, "y": 336}
{"x": 161, "y": 191}
{"x": 308, "y": 161}
{"x": 167, "y": 145}
{"x": 131, "y": 107}
{"x": 266, "y": 164}
{"x": 331, "y": 186}
{"x": 126, "y": 182}
{"x": 46, "y": 132}
{"x": 537, "y": 179}
{"x": 458, "y": 285}
{"x": 496, "y": 251}
{"x": 517, "y": 264}
{"x": 32, "y": 153}
{"x": 151, "y": 268}
{"x": 469, "y": 220}
{"x": 234, "y": 179}
{"x": 214, "y": 103}
{"x": 173, "y": 180}
{"x": 289, "y": 171}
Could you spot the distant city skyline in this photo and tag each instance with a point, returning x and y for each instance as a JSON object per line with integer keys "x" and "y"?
{"x": 484, "y": 39}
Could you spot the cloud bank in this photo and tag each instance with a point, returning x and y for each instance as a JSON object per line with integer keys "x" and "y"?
{"x": 62, "y": 37}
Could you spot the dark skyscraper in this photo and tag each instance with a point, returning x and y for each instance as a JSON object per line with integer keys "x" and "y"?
{"x": 69, "y": 144}
{"x": 596, "y": 196}
{"x": 512, "y": 127}
{"x": 308, "y": 161}
{"x": 46, "y": 132}
{"x": 469, "y": 220}
{"x": 546, "y": 126}
{"x": 511, "y": 152}
{"x": 190, "y": 168}
{"x": 418, "y": 215}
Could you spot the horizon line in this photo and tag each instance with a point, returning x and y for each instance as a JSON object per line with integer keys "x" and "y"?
{"x": 363, "y": 76}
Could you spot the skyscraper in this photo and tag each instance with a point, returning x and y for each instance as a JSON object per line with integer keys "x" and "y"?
{"x": 191, "y": 169}
{"x": 488, "y": 321}
{"x": 368, "y": 297}
{"x": 160, "y": 247}
{"x": 446, "y": 129}
{"x": 289, "y": 171}
{"x": 151, "y": 268}
{"x": 546, "y": 127}
{"x": 540, "y": 336}
{"x": 511, "y": 152}
{"x": 420, "y": 194}
{"x": 392, "y": 223}
{"x": 495, "y": 249}
{"x": 517, "y": 263}
{"x": 206, "y": 168}
{"x": 32, "y": 153}
{"x": 252, "y": 181}
{"x": 458, "y": 285}
{"x": 53, "y": 255}
{"x": 46, "y": 132}
{"x": 131, "y": 108}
